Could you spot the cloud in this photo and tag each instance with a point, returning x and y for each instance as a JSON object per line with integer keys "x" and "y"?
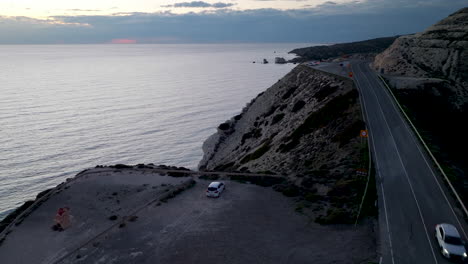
{"x": 83, "y": 10}
{"x": 200, "y": 4}
{"x": 326, "y": 23}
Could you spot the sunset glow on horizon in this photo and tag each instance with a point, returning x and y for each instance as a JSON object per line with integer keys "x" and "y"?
{"x": 124, "y": 41}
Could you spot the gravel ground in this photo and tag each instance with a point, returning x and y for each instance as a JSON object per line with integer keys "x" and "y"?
{"x": 247, "y": 224}
{"x": 93, "y": 198}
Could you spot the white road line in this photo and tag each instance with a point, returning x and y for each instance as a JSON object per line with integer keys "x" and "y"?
{"x": 427, "y": 163}
{"x": 404, "y": 169}
{"x": 378, "y": 172}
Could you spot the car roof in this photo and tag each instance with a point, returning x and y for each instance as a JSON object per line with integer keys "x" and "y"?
{"x": 214, "y": 184}
{"x": 450, "y": 230}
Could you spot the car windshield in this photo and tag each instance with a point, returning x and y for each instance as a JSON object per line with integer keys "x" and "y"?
{"x": 212, "y": 189}
{"x": 453, "y": 240}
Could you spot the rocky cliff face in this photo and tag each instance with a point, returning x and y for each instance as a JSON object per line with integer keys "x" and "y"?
{"x": 305, "y": 126}
{"x": 436, "y": 57}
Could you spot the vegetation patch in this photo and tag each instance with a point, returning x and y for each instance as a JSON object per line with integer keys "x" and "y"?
{"x": 277, "y": 118}
{"x": 298, "y": 106}
{"x": 271, "y": 111}
{"x": 324, "y": 52}
{"x": 121, "y": 166}
{"x": 212, "y": 177}
{"x": 113, "y": 217}
{"x": 223, "y": 167}
{"x": 265, "y": 181}
{"x": 336, "y": 216}
{"x": 289, "y": 92}
{"x": 178, "y": 174}
{"x": 325, "y": 91}
{"x": 224, "y": 126}
{"x": 257, "y": 153}
{"x": 254, "y": 133}
{"x": 320, "y": 118}
{"x": 348, "y": 133}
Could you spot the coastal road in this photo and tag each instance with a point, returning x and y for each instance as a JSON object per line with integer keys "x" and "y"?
{"x": 412, "y": 196}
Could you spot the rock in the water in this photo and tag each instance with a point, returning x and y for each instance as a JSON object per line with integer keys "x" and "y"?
{"x": 280, "y": 60}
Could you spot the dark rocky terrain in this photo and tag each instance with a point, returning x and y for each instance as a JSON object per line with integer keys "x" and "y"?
{"x": 324, "y": 52}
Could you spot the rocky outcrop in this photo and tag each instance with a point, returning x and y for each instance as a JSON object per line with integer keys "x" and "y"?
{"x": 280, "y": 60}
{"x": 436, "y": 57}
{"x": 305, "y": 126}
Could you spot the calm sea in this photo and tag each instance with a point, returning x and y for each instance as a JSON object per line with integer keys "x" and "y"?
{"x": 65, "y": 108}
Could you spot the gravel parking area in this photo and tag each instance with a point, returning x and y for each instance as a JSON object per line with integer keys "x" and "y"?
{"x": 247, "y": 224}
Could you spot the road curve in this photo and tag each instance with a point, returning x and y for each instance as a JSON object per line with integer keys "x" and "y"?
{"x": 412, "y": 196}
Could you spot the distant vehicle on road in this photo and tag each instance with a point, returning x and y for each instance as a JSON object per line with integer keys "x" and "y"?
{"x": 215, "y": 189}
{"x": 450, "y": 243}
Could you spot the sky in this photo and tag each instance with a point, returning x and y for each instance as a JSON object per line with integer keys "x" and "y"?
{"x": 217, "y": 21}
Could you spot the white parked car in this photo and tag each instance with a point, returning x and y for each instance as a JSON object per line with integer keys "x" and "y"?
{"x": 215, "y": 189}
{"x": 450, "y": 243}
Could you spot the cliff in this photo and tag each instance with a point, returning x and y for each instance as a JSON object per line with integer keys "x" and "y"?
{"x": 305, "y": 127}
{"x": 437, "y": 57}
{"x": 340, "y": 49}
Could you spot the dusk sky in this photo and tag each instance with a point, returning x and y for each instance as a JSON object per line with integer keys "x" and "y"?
{"x": 220, "y": 21}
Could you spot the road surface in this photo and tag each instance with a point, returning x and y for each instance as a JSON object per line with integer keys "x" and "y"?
{"x": 412, "y": 196}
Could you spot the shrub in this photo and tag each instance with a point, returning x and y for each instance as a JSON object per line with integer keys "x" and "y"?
{"x": 335, "y": 216}
{"x": 271, "y": 111}
{"x": 211, "y": 177}
{"x": 224, "y": 126}
{"x": 289, "y": 92}
{"x": 113, "y": 217}
{"x": 324, "y": 92}
{"x": 348, "y": 133}
{"x": 122, "y": 166}
{"x": 277, "y": 118}
{"x": 257, "y": 153}
{"x": 223, "y": 167}
{"x": 298, "y": 106}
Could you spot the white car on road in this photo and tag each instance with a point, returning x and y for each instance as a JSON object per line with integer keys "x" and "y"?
{"x": 215, "y": 189}
{"x": 450, "y": 243}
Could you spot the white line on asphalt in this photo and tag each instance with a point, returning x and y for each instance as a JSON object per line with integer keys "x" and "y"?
{"x": 380, "y": 176}
{"x": 404, "y": 169}
{"x": 427, "y": 163}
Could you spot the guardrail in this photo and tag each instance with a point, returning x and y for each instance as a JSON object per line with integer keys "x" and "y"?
{"x": 426, "y": 147}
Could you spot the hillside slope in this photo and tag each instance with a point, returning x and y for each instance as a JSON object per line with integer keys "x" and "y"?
{"x": 325, "y": 52}
{"x": 305, "y": 127}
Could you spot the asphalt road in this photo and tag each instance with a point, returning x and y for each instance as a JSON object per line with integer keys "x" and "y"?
{"x": 412, "y": 196}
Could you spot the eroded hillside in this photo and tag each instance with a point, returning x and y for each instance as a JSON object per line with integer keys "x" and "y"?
{"x": 306, "y": 127}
